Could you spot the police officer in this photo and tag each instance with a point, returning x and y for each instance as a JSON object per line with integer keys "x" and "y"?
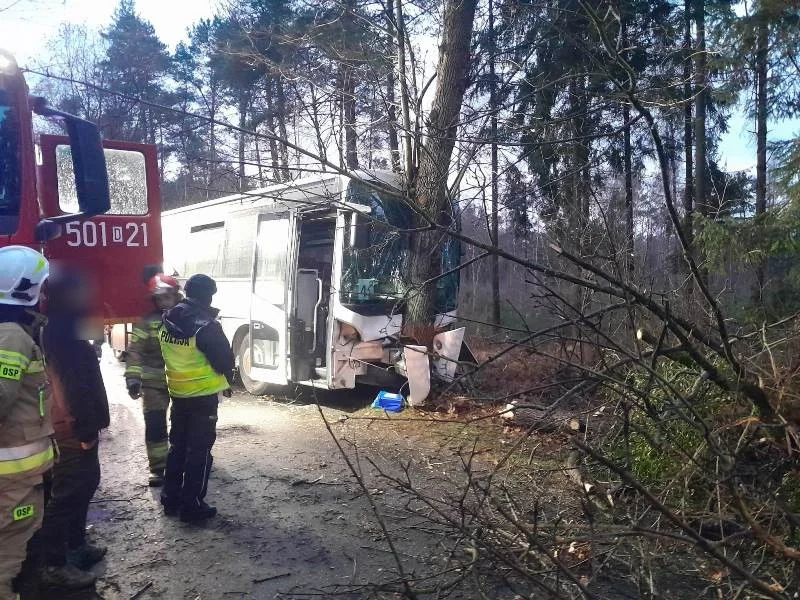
{"x": 199, "y": 365}
{"x": 144, "y": 375}
{"x": 26, "y": 450}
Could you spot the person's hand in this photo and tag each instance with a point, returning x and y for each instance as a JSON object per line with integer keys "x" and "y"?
{"x": 134, "y": 388}
{"x": 227, "y": 393}
{"x": 89, "y": 445}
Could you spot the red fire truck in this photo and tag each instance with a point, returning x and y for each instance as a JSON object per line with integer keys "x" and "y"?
{"x": 87, "y": 203}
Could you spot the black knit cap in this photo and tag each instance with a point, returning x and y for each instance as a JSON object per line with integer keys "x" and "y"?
{"x": 201, "y": 288}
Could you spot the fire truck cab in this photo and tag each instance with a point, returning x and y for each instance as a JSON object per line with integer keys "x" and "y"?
{"x": 87, "y": 203}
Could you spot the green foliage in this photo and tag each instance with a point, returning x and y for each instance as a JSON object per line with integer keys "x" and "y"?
{"x": 666, "y": 432}
{"x": 771, "y": 238}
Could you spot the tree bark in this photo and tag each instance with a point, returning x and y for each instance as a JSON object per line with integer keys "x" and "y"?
{"x": 244, "y": 104}
{"x": 762, "y": 68}
{"x": 273, "y": 144}
{"x": 628, "y": 166}
{"x": 348, "y": 77}
{"x": 495, "y": 191}
{"x": 280, "y": 117}
{"x": 391, "y": 82}
{"x": 628, "y": 151}
{"x": 701, "y": 83}
{"x": 688, "y": 138}
{"x": 430, "y": 189}
{"x": 405, "y": 100}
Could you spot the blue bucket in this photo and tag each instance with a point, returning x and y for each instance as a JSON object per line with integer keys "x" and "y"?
{"x": 388, "y": 402}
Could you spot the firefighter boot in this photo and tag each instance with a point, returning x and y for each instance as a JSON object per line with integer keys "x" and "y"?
{"x": 199, "y": 513}
{"x": 67, "y": 577}
{"x": 86, "y": 556}
{"x": 156, "y": 479}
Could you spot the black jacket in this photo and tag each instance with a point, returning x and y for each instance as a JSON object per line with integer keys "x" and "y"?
{"x": 75, "y": 363}
{"x": 189, "y": 318}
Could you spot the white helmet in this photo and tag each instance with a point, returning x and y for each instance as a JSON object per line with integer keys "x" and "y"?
{"x": 22, "y": 273}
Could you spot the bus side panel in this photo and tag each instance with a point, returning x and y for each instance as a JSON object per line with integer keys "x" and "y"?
{"x": 112, "y": 250}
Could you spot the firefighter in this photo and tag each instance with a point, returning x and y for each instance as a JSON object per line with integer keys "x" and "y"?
{"x": 199, "y": 365}
{"x": 144, "y": 375}
{"x": 26, "y": 449}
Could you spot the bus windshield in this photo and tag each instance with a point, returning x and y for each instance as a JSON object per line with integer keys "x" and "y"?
{"x": 376, "y": 253}
{"x": 9, "y": 164}
{"x": 375, "y": 259}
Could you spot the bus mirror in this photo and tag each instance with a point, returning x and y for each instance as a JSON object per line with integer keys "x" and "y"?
{"x": 88, "y": 160}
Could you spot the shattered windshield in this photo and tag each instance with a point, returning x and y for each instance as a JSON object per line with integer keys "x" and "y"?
{"x": 377, "y": 253}
{"x": 9, "y": 164}
{"x": 375, "y": 264}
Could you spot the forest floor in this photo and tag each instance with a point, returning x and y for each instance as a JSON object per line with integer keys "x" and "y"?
{"x": 293, "y": 521}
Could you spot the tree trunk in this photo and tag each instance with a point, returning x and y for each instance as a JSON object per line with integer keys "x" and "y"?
{"x": 762, "y": 68}
{"x": 273, "y": 143}
{"x": 628, "y": 151}
{"x": 405, "y": 100}
{"x": 688, "y": 193}
{"x": 280, "y": 116}
{"x": 391, "y": 107}
{"x": 348, "y": 76}
{"x": 701, "y": 83}
{"x": 495, "y": 171}
{"x": 430, "y": 190}
{"x": 243, "y": 106}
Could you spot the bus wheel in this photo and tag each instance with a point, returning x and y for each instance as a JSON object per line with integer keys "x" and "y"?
{"x": 256, "y": 388}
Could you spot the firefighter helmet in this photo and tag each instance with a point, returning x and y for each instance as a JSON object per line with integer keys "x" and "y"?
{"x": 163, "y": 284}
{"x": 22, "y": 273}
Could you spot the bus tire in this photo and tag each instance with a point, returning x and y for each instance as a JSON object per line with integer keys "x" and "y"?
{"x": 256, "y": 388}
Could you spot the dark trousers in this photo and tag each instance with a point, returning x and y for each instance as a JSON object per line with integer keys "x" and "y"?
{"x": 75, "y": 478}
{"x": 193, "y": 430}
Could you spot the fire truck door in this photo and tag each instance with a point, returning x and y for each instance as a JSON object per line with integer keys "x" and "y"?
{"x": 112, "y": 249}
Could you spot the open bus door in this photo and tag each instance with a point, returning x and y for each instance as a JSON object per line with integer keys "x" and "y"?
{"x": 112, "y": 249}
{"x": 271, "y": 298}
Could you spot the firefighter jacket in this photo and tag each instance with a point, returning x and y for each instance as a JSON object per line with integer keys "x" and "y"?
{"x": 197, "y": 356}
{"x": 145, "y": 361}
{"x": 26, "y": 449}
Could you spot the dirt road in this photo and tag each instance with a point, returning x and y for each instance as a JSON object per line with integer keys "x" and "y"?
{"x": 292, "y": 521}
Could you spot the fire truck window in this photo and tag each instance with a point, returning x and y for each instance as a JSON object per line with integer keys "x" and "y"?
{"x": 9, "y": 166}
{"x": 127, "y": 181}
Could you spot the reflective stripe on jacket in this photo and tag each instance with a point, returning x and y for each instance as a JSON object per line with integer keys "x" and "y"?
{"x": 189, "y": 374}
{"x": 144, "y": 360}
{"x": 25, "y": 425}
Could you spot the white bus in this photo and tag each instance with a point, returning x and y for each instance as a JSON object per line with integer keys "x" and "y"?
{"x": 311, "y": 282}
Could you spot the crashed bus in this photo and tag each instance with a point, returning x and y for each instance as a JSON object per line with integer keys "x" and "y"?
{"x": 311, "y": 279}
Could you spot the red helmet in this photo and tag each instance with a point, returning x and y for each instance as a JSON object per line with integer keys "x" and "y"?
{"x": 163, "y": 284}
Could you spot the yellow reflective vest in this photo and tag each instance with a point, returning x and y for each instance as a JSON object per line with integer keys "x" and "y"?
{"x": 26, "y": 448}
{"x": 189, "y": 374}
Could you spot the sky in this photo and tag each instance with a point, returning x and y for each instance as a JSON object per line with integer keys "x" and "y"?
{"x": 25, "y": 26}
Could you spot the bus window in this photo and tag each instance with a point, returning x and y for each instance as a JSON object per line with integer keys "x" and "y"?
{"x": 9, "y": 165}
{"x": 272, "y": 249}
{"x": 205, "y": 242}
{"x": 127, "y": 181}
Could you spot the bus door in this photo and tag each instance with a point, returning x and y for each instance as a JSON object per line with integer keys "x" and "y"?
{"x": 113, "y": 249}
{"x": 271, "y": 298}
